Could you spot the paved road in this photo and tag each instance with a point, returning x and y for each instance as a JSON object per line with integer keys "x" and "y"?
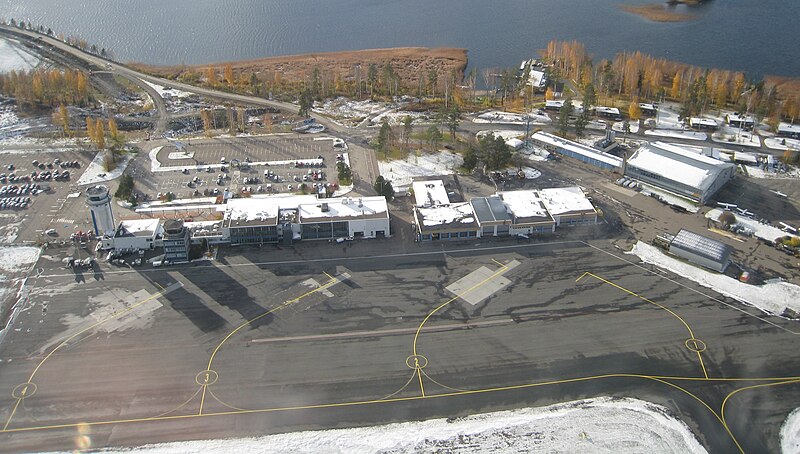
{"x": 304, "y": 360}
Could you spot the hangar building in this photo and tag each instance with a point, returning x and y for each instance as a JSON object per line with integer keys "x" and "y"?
{"x": 677, "y": 170}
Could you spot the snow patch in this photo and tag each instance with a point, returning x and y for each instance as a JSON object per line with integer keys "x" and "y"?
{"x": 677, "y": 134}
{"x": 620, "y": 126}
{"x": 96, "y": 174}
{"x": 790, "y": 433}
{"x": 400, "y": 173}
{"x": 15, "y": 261}
{"x": 600, "y": 425}
{"x": 773, "y": 298}
{"x": 14, "y": 57}
{"x": 733, "y": 135}
{"x": 759, "y": 229}
{"x": 782, "y": 144}
{"x": 510, "y": 118}
{"x": 166, "y": 92}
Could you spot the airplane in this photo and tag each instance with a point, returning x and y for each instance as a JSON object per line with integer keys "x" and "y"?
{"x": 727, "y": 206}
{"x": 787, "y": 227}
{"x": 744, "y": 212}
{"x": 779, "y": 194}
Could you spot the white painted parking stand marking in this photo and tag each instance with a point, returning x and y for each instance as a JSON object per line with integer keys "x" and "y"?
{"x": 480, "y": 285}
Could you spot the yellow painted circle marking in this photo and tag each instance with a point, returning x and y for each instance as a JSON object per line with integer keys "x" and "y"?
{"x": 24, "y": 390}
{"x": 695, "y": 345}
{"x": 206, "y": 377}
{"x": 416, "y": 362}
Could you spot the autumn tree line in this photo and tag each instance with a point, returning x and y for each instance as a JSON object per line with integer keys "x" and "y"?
{"x": 46, "y": 87}
{"x": 638, "y": 77}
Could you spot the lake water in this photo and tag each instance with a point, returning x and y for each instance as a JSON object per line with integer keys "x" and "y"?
{"x": 758, "y": 37}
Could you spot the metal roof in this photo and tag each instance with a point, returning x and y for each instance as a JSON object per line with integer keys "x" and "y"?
{"x": 702, "y": 246}
{"x": 490, "y": 209}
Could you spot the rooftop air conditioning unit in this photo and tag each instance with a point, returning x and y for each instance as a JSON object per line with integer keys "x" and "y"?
{"x": 324, "y": 207}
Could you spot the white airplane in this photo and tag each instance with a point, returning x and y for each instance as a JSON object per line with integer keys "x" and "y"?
{"x": 727, "y": 206}
{"x": 787, "y": 227}
{"x": 744, "y": 212}
{"x": 779, "y": 194}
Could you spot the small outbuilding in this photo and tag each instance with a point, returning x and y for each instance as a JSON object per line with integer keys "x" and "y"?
{"x": 706, "y": 252}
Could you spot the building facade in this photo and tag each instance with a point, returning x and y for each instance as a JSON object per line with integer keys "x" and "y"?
{"x": 98, "y": 200}
{"x": 176, "y": 241}
{"x": 678, "y": 170}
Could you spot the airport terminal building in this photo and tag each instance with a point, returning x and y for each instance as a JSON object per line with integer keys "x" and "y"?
{"x": 284, "y": 219}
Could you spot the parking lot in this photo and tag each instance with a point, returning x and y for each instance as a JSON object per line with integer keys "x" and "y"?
{"x": 34, "y": 189}
{"x": 269, "y": 164}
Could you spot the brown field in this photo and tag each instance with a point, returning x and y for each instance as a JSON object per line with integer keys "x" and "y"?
{"x": 408, "y": 62}
{"x": 656, "y": 13}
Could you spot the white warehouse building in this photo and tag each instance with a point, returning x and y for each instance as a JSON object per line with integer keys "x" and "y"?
{"x": 675, "y": 169}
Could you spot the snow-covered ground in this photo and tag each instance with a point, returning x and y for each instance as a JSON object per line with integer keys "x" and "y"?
{"x": 15, "y": 262}
{"x": 350, "y": 113}
{"x": 396, "y": 118}
{"x": 601, "y": 425}
{"x": 619, "y": 126}
{"x": 677, "y": 134}
{"x": 790, "y": 433}
{"x": 95, "y": 173}
{"x": 667, "y": 118}
{"x": 759, "y": 230}
{"x": 504, "y": 133}
{"x": 757, "y": 172}
{"x": 735, "y": 136}
{"x": 165, "y": 92}
{"x": 14, "y": 57}
{"x": 510, "y": 118}
{"x": 401, "y": 172}
{"x": 780, "y": 143}
{"x": 773, "y": 298}
{"x": 11, "y": 126}
{"x": 534, "y": 153}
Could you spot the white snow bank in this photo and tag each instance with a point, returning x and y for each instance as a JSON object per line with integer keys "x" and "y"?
{"x": 776, "y": 174}
{"x": 783, "y": 144}
{"x": 505, "y": 134}
{"x": 11, "y": 126}
{"x": 96, "y": 174}
{"x": 760, "y": 230}
{"x": 620, "y": 126}
{"x": 14, "y": 57}
{"x": 400, "y": 173}
{"x": 15, "y": 261}
{"x": 676, "y": 134}
{"x": 773, "y": 298}
{"x": 166, "y": 92}
{"x": 510, "y": 118}
{"x": 790, "y": 433}
{"x": 599, "y": 425}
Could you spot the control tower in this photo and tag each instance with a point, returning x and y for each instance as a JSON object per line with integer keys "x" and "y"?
{"x": 99, "y": 201}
